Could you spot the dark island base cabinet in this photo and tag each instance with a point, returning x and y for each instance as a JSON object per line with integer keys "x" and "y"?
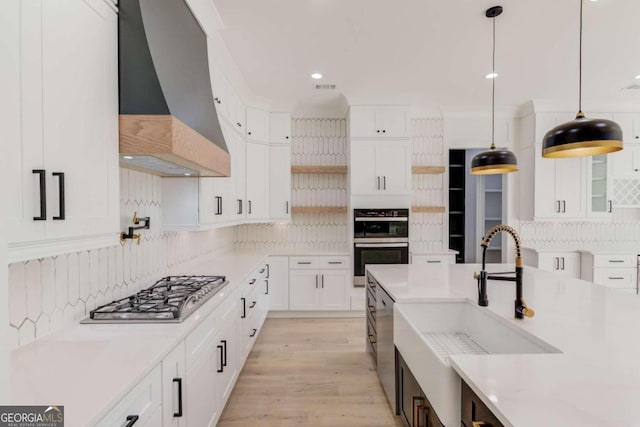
{"x": 415, "y": 409}
{"x": 474, "y": 412}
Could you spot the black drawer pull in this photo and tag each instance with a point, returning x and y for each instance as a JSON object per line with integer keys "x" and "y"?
{"x": 253, "y": 333}
{"x": 221, "y": 359}
{"x": 266, "y": 292}
{"x": 43, "y": 195}
{"x": 224, "y": 359}
{"x": 433, "y": 262}
{"x": 244, "y": 308}
{"x": 131, "y": 420}
{"x": 179, "y": 413}
{"x": 616, "y": 260}
{"x": 249, "y": 200}
{"x": 616, "y": 278}
{"x": 304, "y": 262}
{"x": 61, "y": 201}
{"x": 335, "y": 262}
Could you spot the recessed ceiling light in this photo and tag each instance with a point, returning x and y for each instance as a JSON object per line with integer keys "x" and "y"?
{"x": 638, "y": 77}
{"x": 316, "y": 76}
{"x": 491, "y": 76}
{"x": 127, "y": 157}
{"x": 187, "y": 174}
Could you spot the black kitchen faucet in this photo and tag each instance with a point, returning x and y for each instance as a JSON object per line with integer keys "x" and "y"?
{"x": 521, "y": 309}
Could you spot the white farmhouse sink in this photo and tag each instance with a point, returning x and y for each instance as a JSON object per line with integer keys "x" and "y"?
{"x": 427, "y": 333}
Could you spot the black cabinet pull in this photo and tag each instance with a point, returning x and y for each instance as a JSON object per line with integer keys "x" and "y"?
{"x": 239, "y": 206}
{"x": 131, "y": 420}
{"x": 322, "y": 281}
{"x": 384, "y": 131}
{"x": 335, "y": 262}
{"x": 244, "y": 308}
{"x": 43, "y": 195}
{"x": 378, "y": 131}
{"x": 267, "y": 291}
{"x": 304, "y": 262}
{"x": 252, "y": 281}
{"x": 384, "y": 182}
{"x": 61, "y": 200}
{"x": 253, "y": 305}
{"x": 316, "y": 281}
{"x": 286, "y": 137}
{"x": 220, "y": 203}
{"x": 248, "y": 133}
{"x": 249, "y": 203}
{"x": 224, "y": 359}
{"x": 286, "y": 209}
{"x": 221, "y": 365}
{"x": 268, "y": 271}
{"x": 179, "y": 413}
{"x": 378, "y": 182}
{"x": 262, "y": 270}
{"x": 239, "y": 124}
{"x": 610, "y": 206}
{"x": 253, "y": 334}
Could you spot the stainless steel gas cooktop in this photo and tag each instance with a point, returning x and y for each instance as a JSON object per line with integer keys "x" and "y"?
{"x": 171, "y": 299}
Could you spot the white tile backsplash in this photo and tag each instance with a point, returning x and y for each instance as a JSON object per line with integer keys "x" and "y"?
{"x": 47, "y": 295}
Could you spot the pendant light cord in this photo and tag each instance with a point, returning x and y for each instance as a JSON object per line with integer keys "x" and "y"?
{"x": 580, "y": 65}
{"x": 493, "y": 87}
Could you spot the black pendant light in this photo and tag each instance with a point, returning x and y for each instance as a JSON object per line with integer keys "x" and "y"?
{"x": 582, "y": 136}
{"x": 493, "y": 161}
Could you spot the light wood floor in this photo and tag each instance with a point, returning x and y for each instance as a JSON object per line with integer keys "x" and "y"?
{"x": 309, "y": 372}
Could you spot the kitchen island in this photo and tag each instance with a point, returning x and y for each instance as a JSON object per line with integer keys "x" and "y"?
{"x": 591, "y": 381}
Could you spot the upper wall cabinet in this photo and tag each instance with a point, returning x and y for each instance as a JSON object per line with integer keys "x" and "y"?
{"x": 221, "y": 93}
{"x": 280, "y": 128}
{"x": 380, "y": 167}
{"x": 237, "y": 112}
{"x": 379, "y": 121}
{"x": 60, "y": 100}
{"x": 257, "y": 124}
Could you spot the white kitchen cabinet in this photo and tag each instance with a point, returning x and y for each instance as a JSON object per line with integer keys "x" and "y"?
{"x": 313, "y": 288}
{"x": 238, "y": 210}
{"x": 566, "y": 263}
{"x": 200, "y": 393}
{"x": 64, "y": 104}
{"x": 379, "y": 121}
{"x": 304, "y": 290}
{"x": 173, "y": 382}
{"x": 257, "y": 180}
{"x": 237, "y": 112}
{"x": 380, "y": 167}
{"x": 227, "y": 346}
{"x": 549, "y": 188}
{"x": 280, "y": 181}
{"x": 334, "y": 289}
{"x": 221, "y": 93}
{"x": 614, "y": 270}
{"x": 433, "y": 259}
{"x": 278, "y": 283}
{"x": 280, "y": 128}
{"x": 257, "y": 124}
{"x": 196, "y": 203}
{"x": 599, "y": 187}
{"x": 142, "y": 405}
{"x": 630, "y": 124}
{"x": 626, "y": 163}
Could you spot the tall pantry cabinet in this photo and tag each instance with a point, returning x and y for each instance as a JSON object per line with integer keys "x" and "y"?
{"x": 60, "y": 118}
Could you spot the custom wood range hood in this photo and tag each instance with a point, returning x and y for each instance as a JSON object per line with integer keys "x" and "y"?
{"x": 168, "y": 120}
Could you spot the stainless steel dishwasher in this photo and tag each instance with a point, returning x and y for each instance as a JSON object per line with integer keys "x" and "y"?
{"x": 386, "y": 350}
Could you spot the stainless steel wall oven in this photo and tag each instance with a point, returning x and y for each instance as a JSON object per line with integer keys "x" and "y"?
{"x": 381, "y": 236}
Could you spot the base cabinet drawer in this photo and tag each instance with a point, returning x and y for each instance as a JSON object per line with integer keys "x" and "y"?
{"x": 335, "y": 262}
{"x": 474, "y": 411}
{"x": 615, "y": 261}
{"x": 433, "y": 259}
{"x": 618, "y": 278}
{"x": 142, "y": 406}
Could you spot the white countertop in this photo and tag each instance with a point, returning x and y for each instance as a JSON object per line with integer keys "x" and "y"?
{"x": 88, "y": 368}
{"x": 286, "y": 251}
{"x": 595, "y": 381}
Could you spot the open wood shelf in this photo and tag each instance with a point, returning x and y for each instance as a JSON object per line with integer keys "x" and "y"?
{"x": 427, "y": 170}
{"x": 427, "y": 209}
{"x": 320, "y": 169}
{"x": 319, "y": 209}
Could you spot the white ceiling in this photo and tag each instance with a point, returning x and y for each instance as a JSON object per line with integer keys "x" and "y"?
{"x": 432, "y": 53}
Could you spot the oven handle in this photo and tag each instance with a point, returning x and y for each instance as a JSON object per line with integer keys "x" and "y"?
{"x": 382, "y": 245}
{"x": 383, "y": 219}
